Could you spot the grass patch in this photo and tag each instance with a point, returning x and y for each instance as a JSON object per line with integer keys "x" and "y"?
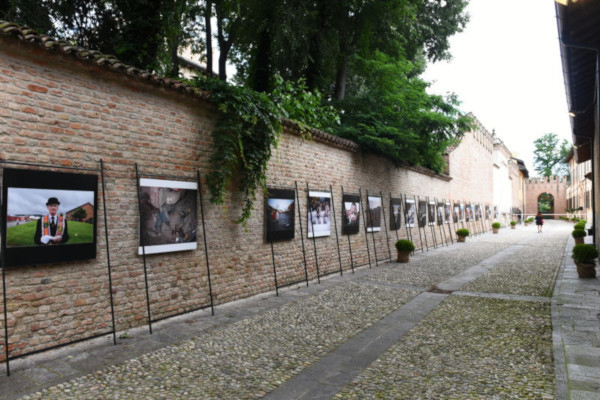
{"x": 22, "y": 235}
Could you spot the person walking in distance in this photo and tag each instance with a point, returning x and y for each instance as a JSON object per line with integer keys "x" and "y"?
{"x": 539, "y": 222}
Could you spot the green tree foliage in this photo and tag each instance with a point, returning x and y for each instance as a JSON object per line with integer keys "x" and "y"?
{"x": 33, "y": 13}
{"x": 549, "y": 156}
{"x": 390, "y": 113}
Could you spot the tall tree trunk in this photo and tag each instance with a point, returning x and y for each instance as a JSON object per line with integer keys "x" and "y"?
{"x": 208, "y": 27}
{"x": 340, "y": 78}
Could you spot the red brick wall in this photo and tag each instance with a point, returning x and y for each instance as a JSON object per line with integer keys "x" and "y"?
{"x": 556, "y": 186}
{"x": 59, "y": 111}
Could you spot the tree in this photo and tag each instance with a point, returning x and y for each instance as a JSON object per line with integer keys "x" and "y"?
{"x": 549, "y": 157}
{"x": 80, "y": 214}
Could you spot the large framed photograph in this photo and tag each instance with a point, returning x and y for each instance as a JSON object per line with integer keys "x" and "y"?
{"x": 410, "y": 213}
{"x": 456, "y": 213}
{"x": 431, "y": 212}
{"x": 488, "y": 212}
{"x": 374, "y": 214}
{"x": 422, "y": 214}
{"x": 440, "y": 213}
{"x": 49, "y": 217}
{"x": 395, "y": 213}
{"x": 447, "y": 212}
{"x": 168, "y": 218}
{"x": 351, "y": 211}
{"x": 478, "y": 215}
{"x": 468, "y": 213}
{"x": 462, "y": 212}
{"x": 319, "y": 214}
{"x": 279, "y": 214}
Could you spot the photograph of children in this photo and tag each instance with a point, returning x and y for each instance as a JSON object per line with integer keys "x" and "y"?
{"x": 351, "y": 214}
{"x": 319, "y": 214}
{"x": 447, "y": 213}
{"x": 409, "y": 213}
{"x": 440, "y": 213}
{"x": 395, "y": 213}
{"x": 374, "y": 214}
{"x": 456, "y": 213}
{"x": 280, "y": 212}
{"x": 422, "y": 213}
{"x": 48, "y": 216}
{"x": 431, "y": 213}
{"x": 168, "y": 216}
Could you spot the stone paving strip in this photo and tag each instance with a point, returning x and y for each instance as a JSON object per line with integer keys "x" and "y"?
{"x": 468, "y": 348}
{"x": 247, "y": 359}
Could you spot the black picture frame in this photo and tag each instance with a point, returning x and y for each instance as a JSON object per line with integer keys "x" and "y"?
{"x": 350, "y": 214}
{"x": 28, "y": 191}
{"x": 422, "y": 214}
{"x": 374, "y": 214}
{"x": 280, "y": 205}
{"x": 410, "y": 213}
{"x": 395, "y": 213}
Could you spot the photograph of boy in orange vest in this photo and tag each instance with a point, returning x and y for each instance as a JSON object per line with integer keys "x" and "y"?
{"x": 52, "y": 227}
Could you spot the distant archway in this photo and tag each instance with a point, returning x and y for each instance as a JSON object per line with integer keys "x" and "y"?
{"x": 545, "y": 203}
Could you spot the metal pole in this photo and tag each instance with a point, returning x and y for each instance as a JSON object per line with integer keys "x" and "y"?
{"x": 337, "y": 240}
{"x": 387, "y": 238}
{"x": 365, "y": 222}
{"x": 112, "y": 307}
{"x": 417, "y": 200}
{"x": 274, "y": 270}
{"x": 301, "y": 234}
{"x": 212, "y": 309}
{"x": 312, "y": 228}
{"x": 3, "y": 266}
{"x": 137, "y": 178}
{"x": 396, "y": 227}
{"x": 347, "y": 234}
{"x": 372, "y": 228}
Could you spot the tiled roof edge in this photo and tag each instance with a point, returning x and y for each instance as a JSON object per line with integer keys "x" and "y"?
{"x": 94, "y": 57}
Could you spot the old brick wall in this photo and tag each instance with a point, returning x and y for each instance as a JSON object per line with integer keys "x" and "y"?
{"x": 555, "y": 185}
{"x": 59, "y": 111}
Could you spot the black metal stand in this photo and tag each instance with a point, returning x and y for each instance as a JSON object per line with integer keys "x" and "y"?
{"x": 312, "y": 228}
{"x": 365, "y": 222}
{"x": 387, "y": 238}
{"x": 337, "y": 240}
{"x": 212, "y": 308}
{"x": 372, "y": 228}
{"x": 301, "y": 234}
{"x": 112, "y": 307}
{"x": 143, "y": 246}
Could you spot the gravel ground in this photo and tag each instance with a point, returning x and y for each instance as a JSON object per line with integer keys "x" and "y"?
{"x": 435, "y": 268}
{"x": 468, "y": 348}
{"x": 247, "y": 359}
{"x": 530, "y": 272}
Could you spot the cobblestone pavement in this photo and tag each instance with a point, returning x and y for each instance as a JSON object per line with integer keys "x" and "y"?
{"x": 465, "y": 321}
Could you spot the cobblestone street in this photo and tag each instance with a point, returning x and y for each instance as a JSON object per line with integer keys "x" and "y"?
{"x": 474, "y": 320}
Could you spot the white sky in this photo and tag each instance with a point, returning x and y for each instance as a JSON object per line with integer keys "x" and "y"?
{"x": 506, "y": 70}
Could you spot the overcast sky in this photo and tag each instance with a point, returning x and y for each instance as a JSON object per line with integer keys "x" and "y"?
{"x": 506, "y": 70}
{"x": 33, "y": 201}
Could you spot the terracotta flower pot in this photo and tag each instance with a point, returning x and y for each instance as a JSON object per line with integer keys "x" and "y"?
{"x": 579, "y": 240}
{"x": 403, "y": 256}
{"x": 495, "y": 230}
{"x": 586, "y": 270}
{"x": 513, "y": 227}
{"x": 461, "y": 239}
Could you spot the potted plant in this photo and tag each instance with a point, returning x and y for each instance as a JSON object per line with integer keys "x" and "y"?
{"x": 513, "y": 224}
{"x": 578, "y": 235}
{"x": 462, "y": 234}
{"x": 585, "y": 256}
{"x": 496, "y": 226}
{"x": 404, "y": 247}
{"x": 528, "y": 221}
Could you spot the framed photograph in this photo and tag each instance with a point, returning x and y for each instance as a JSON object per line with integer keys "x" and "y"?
{"x": 468, "y": 213}
{"x": 440, "y": 213}
{"x": 447, "y": 211}
{"x": 488, "y": 212}
{"x": 319, "y": 214}
{"x": 495, "y": 212}
{"x": 431, "y": 213}
{"x": 410, "y": 213}
{"x": 462, "y": 212}
{"x": 48, "y": 217}
{"x": 374, "y": 214}
{"x": 456, "y": 213}
{"x": 351, "y": 214}
{"x": 168, "y": 218}
{"x": 279, "y": 214}
{"x": 395, "y": 213}
{"x": 422, "y": 213}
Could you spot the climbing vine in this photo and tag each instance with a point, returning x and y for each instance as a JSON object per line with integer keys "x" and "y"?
{"x": 248, "y": 126}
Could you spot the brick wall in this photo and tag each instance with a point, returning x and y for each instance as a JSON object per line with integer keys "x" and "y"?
{"x": 555, "y": 185}
{"x": 57, "y": 110}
